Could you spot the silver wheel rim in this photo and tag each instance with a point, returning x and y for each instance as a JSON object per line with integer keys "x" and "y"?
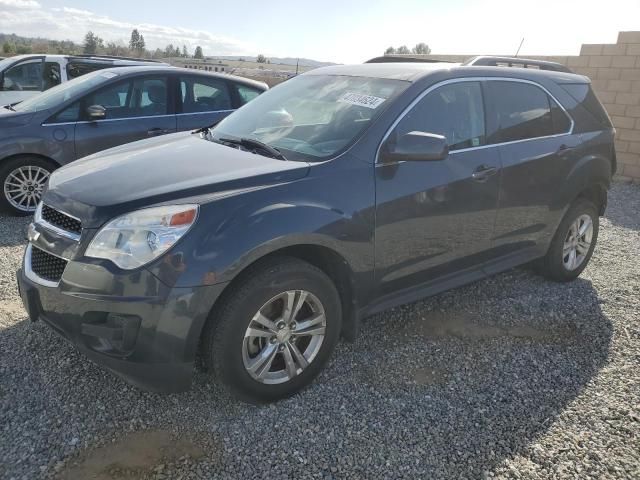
{"x": 23, "y": 187}
{"x": 577, "y": 242}
{"x": 284, "y": 337}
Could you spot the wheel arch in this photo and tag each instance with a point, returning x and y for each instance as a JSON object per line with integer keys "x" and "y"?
{"x": 329, "y": 261}
{"x": 15, "y": 156}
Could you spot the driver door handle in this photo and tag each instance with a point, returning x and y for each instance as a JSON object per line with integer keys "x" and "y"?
{"x": 483, "y": 172}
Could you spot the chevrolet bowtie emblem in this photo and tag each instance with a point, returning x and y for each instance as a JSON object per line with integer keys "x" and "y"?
{"x": 32, "y": 233}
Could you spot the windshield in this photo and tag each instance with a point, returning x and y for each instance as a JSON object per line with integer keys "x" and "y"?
{"x": 312, "y": 117}
{"x": 57, "y": 95}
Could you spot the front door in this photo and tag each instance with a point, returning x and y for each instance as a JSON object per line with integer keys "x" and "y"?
{"x": 437, "y": 218}
{"x": 136, "y": 108}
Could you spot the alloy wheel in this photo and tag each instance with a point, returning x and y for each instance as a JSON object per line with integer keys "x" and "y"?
{"x": 284, "y": 337}
{"x": 577, "y": 242}
{"x": 23, "y": 187}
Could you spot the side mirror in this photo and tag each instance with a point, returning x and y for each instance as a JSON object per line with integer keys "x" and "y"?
{"x": 415, "y": 147}
{"x": 96, "y": 112}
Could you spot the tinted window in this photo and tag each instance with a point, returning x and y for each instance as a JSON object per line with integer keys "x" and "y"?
{"x": 523, "y": 111}
{"x": 75, "y": 69}
{"x": 132, "y": 98}
{"x": 201, "y": 94}
{"x": 25, "y": 76}
{"x": 69, "y": 114}
{"x": 246, "y": 94}
{"x": 454, "y": 111}
{"x": 51, "y": 75}
{"x": 583, "y": 93}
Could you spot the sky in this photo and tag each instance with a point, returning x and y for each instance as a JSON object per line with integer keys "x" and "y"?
{"x": 342, "y": 31}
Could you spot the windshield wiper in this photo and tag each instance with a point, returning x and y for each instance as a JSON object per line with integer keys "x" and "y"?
{"x": 10, "y": 107}
{"x": 252, "y": 143}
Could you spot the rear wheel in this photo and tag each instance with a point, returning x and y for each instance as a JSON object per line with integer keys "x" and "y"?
{"x": 275, "y": 332}
{"x": 23, "y": 180}
{"x": 573, "y": 243}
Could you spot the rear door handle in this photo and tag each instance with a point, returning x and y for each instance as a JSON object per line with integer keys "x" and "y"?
{"x": 157, "y": 131}
{"x": 483, "y": 172}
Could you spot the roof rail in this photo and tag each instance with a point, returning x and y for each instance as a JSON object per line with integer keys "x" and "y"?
{"x": 489, "y": 61}
{"x": 403, "y": 58}
{"x": 115, "y": 57}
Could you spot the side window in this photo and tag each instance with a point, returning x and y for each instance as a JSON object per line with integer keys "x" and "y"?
{"x": 150, "y": 96}
{"x": 77, "y": 69}
{"x": 246, "y": 94}
{"x": 201, "y": 94}
{"x": 115, "y": 98}
{"x": 51, "y": 75}
{"x": 132, "y": 98}
{"x": 26, "y": 76}
{"x": 454, "y": 111}
{"x": 69, "y": 114}
{"x": 524, "y": 111}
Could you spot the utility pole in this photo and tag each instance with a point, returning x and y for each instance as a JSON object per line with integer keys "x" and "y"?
{"x": 297, "y": 63}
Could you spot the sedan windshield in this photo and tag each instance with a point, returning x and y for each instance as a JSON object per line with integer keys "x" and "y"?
{"x": 311, "y": 117}
{"x": 59, "y": 94}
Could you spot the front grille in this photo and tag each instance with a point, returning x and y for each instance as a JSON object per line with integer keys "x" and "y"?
{"x": 47, "y": 266}
{"x": 61, "y": 220}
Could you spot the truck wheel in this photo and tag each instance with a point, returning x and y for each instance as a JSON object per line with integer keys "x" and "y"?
{"x": 23, "y": 180}
{"x": 573, "y": 243}
{"x": 275, "y": 331}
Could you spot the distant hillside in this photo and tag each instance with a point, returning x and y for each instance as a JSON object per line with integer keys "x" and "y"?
{"x": 304, "y": 62}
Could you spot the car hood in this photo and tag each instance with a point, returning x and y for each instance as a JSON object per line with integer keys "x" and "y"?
{"x": 175, "y": 168}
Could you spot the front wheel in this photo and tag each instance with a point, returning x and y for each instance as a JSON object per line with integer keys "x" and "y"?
{"x": 23, "y": 180}
{"x": 573, "y": 243}
{"x": 274, "y": 332}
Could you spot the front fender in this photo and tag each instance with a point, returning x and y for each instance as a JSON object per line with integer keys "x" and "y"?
{"x": 233, "y": 232}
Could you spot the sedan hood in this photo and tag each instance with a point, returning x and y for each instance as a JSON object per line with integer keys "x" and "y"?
{"x": 175, "y": 167}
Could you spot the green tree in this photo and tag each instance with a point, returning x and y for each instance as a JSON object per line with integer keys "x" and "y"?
{"x": 185, "y": 52}
{"x": 390, "y": 51}
{"x": 198, "y": 53}
{"x": 135, "y": 38}
{"x": 422, "y": 49}
{"x": 403, "y": 50}
{"x": 91, "y": 43}
{"x": 261, "y": 59}
{"x": 7, "y": 48}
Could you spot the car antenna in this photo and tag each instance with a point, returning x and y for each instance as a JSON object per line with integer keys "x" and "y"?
{"x": 518, "y": 51}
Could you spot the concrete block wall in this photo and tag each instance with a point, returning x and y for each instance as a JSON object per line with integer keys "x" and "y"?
{"x": 614, "y": 70}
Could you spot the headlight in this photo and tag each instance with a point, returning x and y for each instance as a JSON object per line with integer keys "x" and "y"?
{"x": 135, "y": 239}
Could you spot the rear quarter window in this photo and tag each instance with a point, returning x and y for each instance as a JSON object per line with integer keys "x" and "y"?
{"x": 584, "y": 95}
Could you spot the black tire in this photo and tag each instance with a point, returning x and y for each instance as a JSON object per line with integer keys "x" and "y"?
{"x": 552, "y": 265}
{"x": 11, "y": 165}
{"x": 224, "y": 334}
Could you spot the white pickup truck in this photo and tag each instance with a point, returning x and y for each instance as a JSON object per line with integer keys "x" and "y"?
{"x": 23, "y": 76}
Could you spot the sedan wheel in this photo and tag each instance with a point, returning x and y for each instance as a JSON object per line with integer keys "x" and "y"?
{"x": 284, "y": 337}
{"x": 23, "y": 187}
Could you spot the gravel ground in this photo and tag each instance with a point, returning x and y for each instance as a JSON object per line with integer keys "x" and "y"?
{"x": 511, "y": 377}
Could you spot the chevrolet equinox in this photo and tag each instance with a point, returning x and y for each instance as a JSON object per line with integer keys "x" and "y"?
{"x": 255, "y": 244}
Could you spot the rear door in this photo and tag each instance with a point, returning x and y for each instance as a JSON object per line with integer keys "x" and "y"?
{"x": 537, "y": 151}
{"x": 136, "y": 108}
{"x": 202, "y": 101}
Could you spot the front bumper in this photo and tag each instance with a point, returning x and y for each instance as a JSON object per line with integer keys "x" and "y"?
{"x": 142, "y": 330}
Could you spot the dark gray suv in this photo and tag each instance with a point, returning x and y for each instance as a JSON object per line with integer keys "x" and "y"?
{"x": 335, "y": 195}
{"x": 103, "y": 109}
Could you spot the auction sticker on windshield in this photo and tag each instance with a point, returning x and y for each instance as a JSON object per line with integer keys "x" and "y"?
{"x": 368, "y": 101}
